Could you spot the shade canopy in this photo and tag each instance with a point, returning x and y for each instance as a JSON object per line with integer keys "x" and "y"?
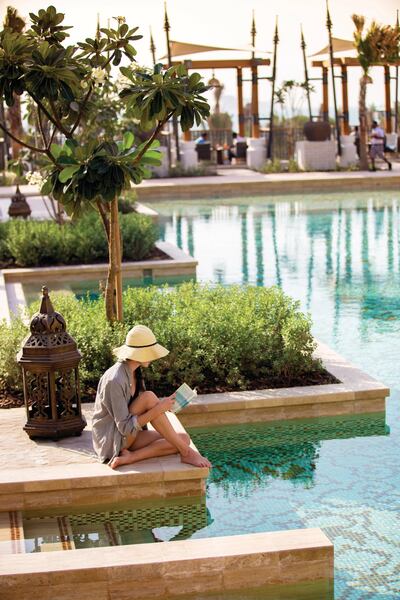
{"x": 185, "y": 48}
{"x": 338, "y": 45}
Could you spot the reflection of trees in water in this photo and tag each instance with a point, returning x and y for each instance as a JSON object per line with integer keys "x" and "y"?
{"x": 243, "y": 231}
{"x": 179, "y": 231}
{"x": 310, "y": 271}
{"x": 190, "y": 237}
{"x": 319, "y": 225}
{"x": 337, "y": 275}
{"x": 275, "y": 246}
{"x": 242, "y": 471}
{"x": 347, "y": 241}
{"x": 258, "y": 242}
{"x": 248, "y": 456}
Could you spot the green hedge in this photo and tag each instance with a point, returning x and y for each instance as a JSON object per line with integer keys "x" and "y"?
{"x": 41, "y": 243}
{"x": 219, "y": 338}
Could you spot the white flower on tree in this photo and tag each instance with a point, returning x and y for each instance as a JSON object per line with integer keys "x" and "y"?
{"x": 34, "y": 178}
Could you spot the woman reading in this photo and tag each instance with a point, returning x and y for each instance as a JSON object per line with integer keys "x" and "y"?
{"x": 123, "y": 408}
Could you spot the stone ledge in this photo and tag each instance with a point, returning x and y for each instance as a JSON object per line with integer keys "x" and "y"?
{"x": 357, "y": 393}
{"x": 180, "y": 567}
{"x": 58, "y": 474}
{"x": 271, "y": 185}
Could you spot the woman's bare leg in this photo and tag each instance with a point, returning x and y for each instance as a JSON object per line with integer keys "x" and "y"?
{"x": 148, "y": 444}
{"x": 145, "y": 402}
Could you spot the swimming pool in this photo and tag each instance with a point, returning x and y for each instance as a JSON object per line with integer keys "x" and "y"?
{"x": 338, "y": 254}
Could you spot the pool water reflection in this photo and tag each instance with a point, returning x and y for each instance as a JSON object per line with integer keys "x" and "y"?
{"x": 338, "y": 254}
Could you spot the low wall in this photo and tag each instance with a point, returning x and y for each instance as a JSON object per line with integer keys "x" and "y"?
{"x": 172, "y": 568}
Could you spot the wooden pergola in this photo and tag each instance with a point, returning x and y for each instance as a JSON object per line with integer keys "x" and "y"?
{"x": 239, "y": 65}
{"x": 345, "y": 63}
{"x": 176, "y": 48}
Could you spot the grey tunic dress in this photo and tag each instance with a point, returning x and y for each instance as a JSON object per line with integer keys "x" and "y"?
{"x": 112, "y": 421}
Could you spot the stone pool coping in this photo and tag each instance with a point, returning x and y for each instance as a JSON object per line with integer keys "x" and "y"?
{"x": 357, "y": 393}
{"x": 11, "y": 293}
{"x": 179, "y": 567}
{"x": 249, "y": 183}
{"x": 55, "y": 474}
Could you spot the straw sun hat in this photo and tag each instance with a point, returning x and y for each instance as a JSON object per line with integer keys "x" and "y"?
{"x": 141, "y": 345}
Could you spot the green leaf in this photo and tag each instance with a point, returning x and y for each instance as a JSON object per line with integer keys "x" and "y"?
{"x": 194, "y": 79}
{"x": 128, "y": 140}
{"x": 123, "y": 30}
{"x": 55, "y": 149}
{"x": 68, "y": 172}
{"x": 46, "y": 187}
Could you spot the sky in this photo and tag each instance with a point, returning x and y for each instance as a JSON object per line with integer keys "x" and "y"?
{"x": 228, "y": 23}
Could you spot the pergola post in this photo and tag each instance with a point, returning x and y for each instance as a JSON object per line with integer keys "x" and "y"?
{"x": 388, "y": 108}
{"x": 255, "y": 125}
{"x": 345, "y": 102}
{"x": 325, "y": 95}
{"x": 240, "y": 101}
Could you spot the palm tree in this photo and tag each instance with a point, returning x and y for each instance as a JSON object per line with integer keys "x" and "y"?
{"x": 378, "y": 45}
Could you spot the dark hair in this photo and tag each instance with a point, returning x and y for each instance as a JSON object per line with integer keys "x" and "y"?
{"x": 204, "y": 134}
{"x": 375, "y": 123}
{"x": 234, "y": 134}
{"x": 140, "y": 384}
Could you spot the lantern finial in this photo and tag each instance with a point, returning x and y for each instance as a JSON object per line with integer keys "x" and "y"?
{"x": 46, "y": 306}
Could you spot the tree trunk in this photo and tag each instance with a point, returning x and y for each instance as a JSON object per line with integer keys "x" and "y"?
{"x": 362, "y": 110}
{"x": 118, "y": 254}
{"x": 15, "y": 123}
{"x": 113, "y": 295}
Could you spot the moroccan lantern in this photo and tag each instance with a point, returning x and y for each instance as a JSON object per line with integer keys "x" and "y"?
{"x": 50, "y": 366}
{"x": 19, "y": 206}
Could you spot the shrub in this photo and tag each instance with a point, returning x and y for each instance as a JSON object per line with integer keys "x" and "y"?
{"x": 219, "y": 338}
{"x": 7, "y": 178}
{"x": 38, "y": 243}
{"x": 280, "y": 166}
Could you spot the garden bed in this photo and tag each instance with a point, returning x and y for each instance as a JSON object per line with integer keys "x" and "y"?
{"x": 220, "y": 339}
{"x": 45, "y": 243}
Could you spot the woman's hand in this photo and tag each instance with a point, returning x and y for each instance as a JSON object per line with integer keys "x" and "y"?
{"x": 167, "y": 403}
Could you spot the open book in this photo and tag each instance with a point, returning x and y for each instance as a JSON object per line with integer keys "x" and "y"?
{"x": 184, "y": 395}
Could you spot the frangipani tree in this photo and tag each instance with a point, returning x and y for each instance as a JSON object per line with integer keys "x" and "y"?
{"x": 379, "y": 44}
{"x": 60, "y": 81}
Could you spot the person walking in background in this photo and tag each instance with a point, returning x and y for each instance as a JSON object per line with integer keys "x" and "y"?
{"x": 378, "y": 145}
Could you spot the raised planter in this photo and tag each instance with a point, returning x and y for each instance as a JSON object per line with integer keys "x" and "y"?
{"x": 179, "y": 264}
{"x": 357, "y": 393}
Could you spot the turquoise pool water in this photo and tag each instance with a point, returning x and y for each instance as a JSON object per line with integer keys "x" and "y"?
{"x": 339, "y": 255}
